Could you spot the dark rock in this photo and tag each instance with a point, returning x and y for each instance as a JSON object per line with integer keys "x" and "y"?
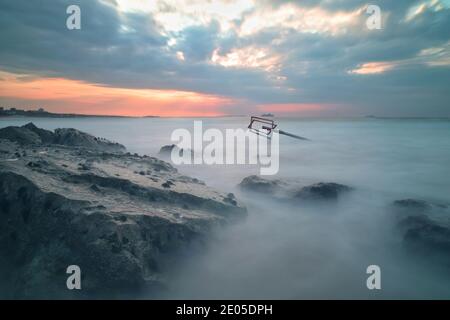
{"x": 32, "y": 164}
{"x": 425, "y": 228}
{"x": 53, "y": 216}
{"x": 20, "y": 135}
{"x": 42, "y": 233}
{"x": 95, "y": 188}
{"x": 167, "y": 150}
{"x": 45, "y": 135}
{"x": 290, "y": 190}
{"x": 423, "y": 235}
{"x": 75, "y": 138}
{"x": 121, "y": 218}
{"x": 230, "y": 201}
{"x": 30, "y": 134}
{"x": 416, "y": 206}
{"x": 258, "y": 184}
{"x": 167, "y": 184}
{"x": 83, "y": 167}
{"x": 328, "y": 191}
{"x": 412, "y": 204}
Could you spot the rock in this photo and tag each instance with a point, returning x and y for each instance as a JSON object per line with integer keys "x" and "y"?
{"x": 426, "y": 236}
{"x": 20, "y": 135}
{"x": 425, "y": 228}
{"x": 95, "y": 188}
{"x": 75, "y": 138}
{"x": 83, "y": 167}
{"x": 46, "y": 136}
{"x": 412, "y": 204}
{"x": 324, "y": 191}
{"x": 167, "y": 184}
{"x": 230, "y": 198}
{"x": 166, "y": 151}
{"x": 29, "y": 134}
{"x": 260, "y": 185}
{"x": 418, "y": 205}
{"x": 32, "y": 164}
{"x": 117, "y": 226}
{"x": 291, "y": 190}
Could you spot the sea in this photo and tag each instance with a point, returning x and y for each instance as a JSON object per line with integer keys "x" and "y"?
{"x": 295, "y": 251}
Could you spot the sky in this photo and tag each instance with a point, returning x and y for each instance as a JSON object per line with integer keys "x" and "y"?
{"x": 221, "y": 57}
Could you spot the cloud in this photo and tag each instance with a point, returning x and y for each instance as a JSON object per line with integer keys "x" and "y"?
{"x": 248, "y": 57}
{"x": 373, "y": 67}
{"x": 249, "y": 52}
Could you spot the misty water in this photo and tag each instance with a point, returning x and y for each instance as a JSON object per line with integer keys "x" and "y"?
{"x": 307, "y": 251}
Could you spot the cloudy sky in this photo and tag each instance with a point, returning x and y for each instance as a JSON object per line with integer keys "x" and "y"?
{"x": 223, "y": 57}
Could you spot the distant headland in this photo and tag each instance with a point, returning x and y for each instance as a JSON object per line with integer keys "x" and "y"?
{"x": 14, "y": 112}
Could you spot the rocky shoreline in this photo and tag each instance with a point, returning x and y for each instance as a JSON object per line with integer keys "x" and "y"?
{"x": 68, "y": 198}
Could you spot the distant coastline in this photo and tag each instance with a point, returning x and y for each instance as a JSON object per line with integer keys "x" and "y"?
{"x": 41, "y": 113}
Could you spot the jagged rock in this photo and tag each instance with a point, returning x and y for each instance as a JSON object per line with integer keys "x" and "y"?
{"x": 46, "y": 136}
{"x": 20, "y": 135}
{"x": 75, "y": 138}
{"x": 119, "y": 227}
{"x": 29, "y": 134}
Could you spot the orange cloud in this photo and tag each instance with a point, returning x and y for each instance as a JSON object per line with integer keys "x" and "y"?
{"x": 70, "y": 96}
{"x": 373, "y": 67}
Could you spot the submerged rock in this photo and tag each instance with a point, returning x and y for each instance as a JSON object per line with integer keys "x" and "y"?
{"x": 417, "y": 205}
{"x": 166, "y": 151}
{"x": 257, "y": 184}
{"x": 425, "y": 236}
{"x": 118, "y": 226}
{"x": 324, "y": 191}
{"x": 291, "y": 190}
{"x": 412, "y": 204}
{"x": 424, "y": 227}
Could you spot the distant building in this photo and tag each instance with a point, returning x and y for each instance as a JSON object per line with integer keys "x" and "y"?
{"x": 2, "y": 109}
{"x": 41, "y": 110}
